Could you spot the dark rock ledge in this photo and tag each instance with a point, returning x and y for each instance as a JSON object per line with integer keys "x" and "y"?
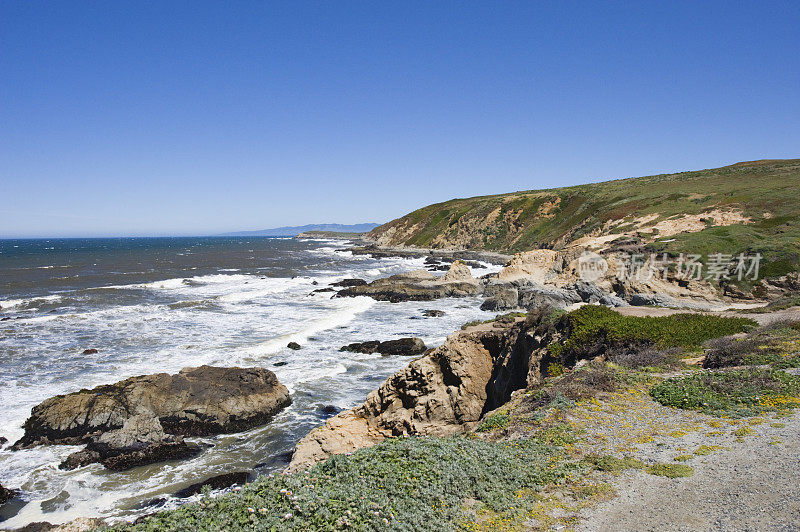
{"x": 401, "y": 346}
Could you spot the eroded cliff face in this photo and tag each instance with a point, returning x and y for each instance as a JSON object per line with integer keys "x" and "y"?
{"x": 444, "y": 392}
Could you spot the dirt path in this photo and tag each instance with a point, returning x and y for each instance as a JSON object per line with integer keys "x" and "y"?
{"x": 751, "y": 485}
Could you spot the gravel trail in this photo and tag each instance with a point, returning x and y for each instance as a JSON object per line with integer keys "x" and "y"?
{"x": 752, "y": 485}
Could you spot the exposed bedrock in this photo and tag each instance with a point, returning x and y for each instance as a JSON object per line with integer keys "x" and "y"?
{"x": 143, "y": 419}
{"x": 444, "y": 392}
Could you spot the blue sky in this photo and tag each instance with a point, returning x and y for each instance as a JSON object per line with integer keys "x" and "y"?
{"x": 139, "y": 118}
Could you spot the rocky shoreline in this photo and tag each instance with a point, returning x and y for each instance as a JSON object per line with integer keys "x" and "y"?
{"x": 448, "y": 390}
{"x": 144, "y": 419}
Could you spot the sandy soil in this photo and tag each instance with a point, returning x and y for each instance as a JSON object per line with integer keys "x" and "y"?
{"x": 750, "y": 485}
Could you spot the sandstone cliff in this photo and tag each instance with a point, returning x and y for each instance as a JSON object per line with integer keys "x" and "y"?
{"x": 444, "y": 392}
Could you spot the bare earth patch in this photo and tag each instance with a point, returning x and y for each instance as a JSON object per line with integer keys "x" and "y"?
{"x": 746, "y": 471}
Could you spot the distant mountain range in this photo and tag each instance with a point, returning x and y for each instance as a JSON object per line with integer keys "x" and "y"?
{"x": 296, "y": 230}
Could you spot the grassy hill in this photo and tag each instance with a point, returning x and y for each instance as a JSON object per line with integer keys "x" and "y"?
{"x": 764, "y": 195}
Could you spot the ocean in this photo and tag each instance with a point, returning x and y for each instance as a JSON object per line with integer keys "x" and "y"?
{"x": 150, "y": 305}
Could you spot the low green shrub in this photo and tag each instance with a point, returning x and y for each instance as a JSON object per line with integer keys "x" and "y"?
{"x": 613, "y": 464}
{"x": 404, "y": 484}
{"x": 739, "y": 393}
{"x": 495, "y": 421}
{"x": 670, "y": 470}
{"x": 593, "y": 323}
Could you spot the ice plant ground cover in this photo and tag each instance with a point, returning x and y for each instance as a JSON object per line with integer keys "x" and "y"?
{"x": 404, "y": 483}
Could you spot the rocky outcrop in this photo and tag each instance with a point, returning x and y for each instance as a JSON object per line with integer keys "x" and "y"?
{"x": 500, "y": 296}
{"x": 537, "y": 265}
{"x": 444, "y": 392}
{"x": 141, "y": 440}
{"x": 433, "y": 313}
{"x": 418, "y": 285}
{"x": 344, "y": 283}
{"x": 143, "y": 419}
{"x": 195, "y": 402}
{"x": 368, "y": 347}
{"x": 401, "y": 346}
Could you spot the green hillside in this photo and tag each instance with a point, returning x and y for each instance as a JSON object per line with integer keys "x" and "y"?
{"x": 766, "y": 194}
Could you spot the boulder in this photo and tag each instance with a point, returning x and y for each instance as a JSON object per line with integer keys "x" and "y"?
{"x": 402, "y": 346}
{"x": 537, "y": 265}
{"x": 533, "y": 295}
{"x": 327, "y": 411}
{"x": 500, "y": 296}
{"x": 433, "y": 313}
{"x": 591, "y": 293}
{"x": 91, "y": 351}
{"x": 195, "y": 402}
{"x": 345, "y": 283}
{"x": 140, "y": 441}
{"x": 368, "y": 347}
{"x": 294, "y": 346}
{"x": 458, "y": 272}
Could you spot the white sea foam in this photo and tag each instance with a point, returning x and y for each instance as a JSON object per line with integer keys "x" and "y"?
{"x": 342, "y": 312}
{"x": 29, "y": 303}
{"x": 224, "y": 319}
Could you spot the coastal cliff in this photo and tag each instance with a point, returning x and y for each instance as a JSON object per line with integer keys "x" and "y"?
{"x": 446, "y": 391}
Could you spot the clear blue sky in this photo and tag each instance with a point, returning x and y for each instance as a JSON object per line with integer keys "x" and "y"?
{"x": 129, "y": 118}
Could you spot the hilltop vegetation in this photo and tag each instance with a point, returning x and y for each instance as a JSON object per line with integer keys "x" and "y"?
{"x": 762, "y": 196}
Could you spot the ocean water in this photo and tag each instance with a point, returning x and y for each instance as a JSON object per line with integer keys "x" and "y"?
{"x": 160, "y": 304}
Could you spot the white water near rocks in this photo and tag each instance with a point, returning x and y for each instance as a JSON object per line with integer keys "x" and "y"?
{"x": 226, "y": 316}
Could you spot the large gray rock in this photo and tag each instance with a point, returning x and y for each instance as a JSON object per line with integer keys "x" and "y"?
{"x": 500, "y": 296}
{"x": 591, "y": 293}
{"x": 402, "y": 346}
{"x": 195, "y": 402}
{"x": 533, "y": 295}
